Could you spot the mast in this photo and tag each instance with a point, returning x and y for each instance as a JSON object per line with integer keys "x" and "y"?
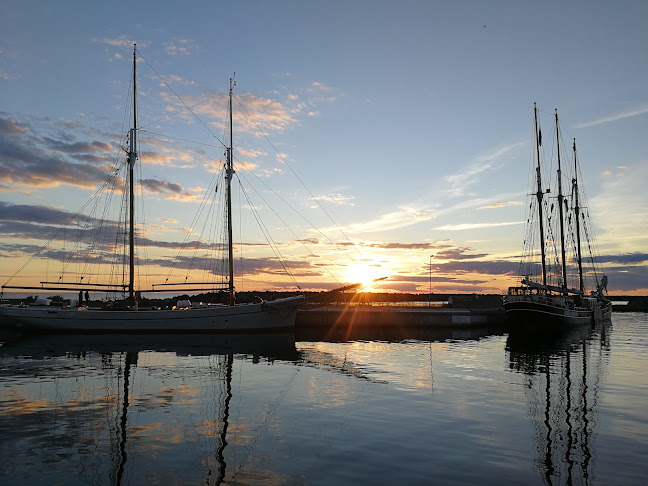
{"x": 560, "y": 205}
{"x": 539, "y": 195}
{"x": 132, "y": 156}
{"x": 229, "y": 172}
{"x": 577, "y": 212}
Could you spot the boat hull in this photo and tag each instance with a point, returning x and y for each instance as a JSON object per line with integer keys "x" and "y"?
{"x": 554, "y": 310}
{"x": 264, "y": 316}
{"x": 538, "y": 313}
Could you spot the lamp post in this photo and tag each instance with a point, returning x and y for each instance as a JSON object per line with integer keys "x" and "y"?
{"x": 430, "y": 268}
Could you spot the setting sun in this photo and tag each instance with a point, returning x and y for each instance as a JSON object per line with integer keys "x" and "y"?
{"x": 362, "y": 272}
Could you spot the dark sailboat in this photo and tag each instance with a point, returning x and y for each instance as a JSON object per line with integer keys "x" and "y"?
{"x": 545, "y": 296}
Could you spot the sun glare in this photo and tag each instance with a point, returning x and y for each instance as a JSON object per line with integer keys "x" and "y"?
{"x": 361, "y": 273}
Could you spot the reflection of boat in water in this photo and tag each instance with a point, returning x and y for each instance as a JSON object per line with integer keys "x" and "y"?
{"x": 271, "y": 345}
{"x": 562, "y": 371}
{"x": 549, "y": 294}
{"x": 117, "y": 370}
{"x": 98, "y": 262}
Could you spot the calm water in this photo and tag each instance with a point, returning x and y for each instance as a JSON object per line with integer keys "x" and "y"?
{"x": 464, "y": 408}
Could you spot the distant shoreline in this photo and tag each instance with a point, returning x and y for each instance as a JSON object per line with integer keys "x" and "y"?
{"x": 634, "y": 303}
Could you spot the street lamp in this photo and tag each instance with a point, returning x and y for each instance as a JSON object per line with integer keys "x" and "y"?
{"x": 430, "y": 301}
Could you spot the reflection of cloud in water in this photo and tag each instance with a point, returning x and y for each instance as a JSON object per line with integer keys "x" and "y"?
{"x": 109, "y": 415}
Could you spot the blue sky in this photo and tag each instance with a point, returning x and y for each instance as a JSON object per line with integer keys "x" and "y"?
{"x": 410, "y": 123}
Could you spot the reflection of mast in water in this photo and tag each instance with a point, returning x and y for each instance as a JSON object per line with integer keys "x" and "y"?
{"x": 116, "y": 478}
{"x": 220, "y": 456}
{"x": 565, "y": 422}
{"x": 120, "y": 457}
{"x": 549, "y": 468}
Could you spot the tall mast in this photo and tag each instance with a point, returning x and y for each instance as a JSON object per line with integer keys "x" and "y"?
{"x": 229, "y": 172}
{"x": 132, "y": 156}
{"x": 577, "y": 213}
{"x": 560, "y": 205}
{"x": 539, "y": 195}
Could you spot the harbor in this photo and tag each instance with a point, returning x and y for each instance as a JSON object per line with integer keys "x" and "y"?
{"x": 458, "y": 311}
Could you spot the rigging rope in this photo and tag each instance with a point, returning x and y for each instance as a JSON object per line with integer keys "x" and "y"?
{"x": 280, "y": 155}
{"x": 267, "y": 236}
{"x": 181, "y": 100}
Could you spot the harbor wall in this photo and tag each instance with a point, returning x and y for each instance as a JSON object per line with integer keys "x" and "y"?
{"x": 329, "y": 317}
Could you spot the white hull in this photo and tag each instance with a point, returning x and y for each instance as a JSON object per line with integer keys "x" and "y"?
{"x": 264, "y": 316}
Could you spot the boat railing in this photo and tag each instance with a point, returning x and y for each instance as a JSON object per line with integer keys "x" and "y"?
{"x": 542, "y": 296}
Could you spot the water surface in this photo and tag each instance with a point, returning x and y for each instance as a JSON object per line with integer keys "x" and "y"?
{"x": 403, "y": 407}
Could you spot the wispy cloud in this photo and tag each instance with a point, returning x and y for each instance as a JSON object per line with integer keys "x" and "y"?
{"x": 639, "y": 110}
{"x": 12, "y": 126}
{"x": 470, "y": 226}
{"x": 627, "y": 233}
{"x": 461, "y": 181}
{"x": 117, "y": 46}
{"x": 179, "y": 47}
{"x": 177, "y": 79}
{"x": 406, "y": 216}
{"x": 407, "y": 246}
{"x": 170, "y": 190}
{"x": 458, "y": 254}
{"x": 494, "y": 267}
{"x": 254, "y": 114}
{"x": 121, "y": 41}
{"x": 501, "y": 205}
{"x": 335, "y": 198}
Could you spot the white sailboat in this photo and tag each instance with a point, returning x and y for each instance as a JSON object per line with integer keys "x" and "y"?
{"x": 545, "y": 297}
{"x": 128, "y": 315}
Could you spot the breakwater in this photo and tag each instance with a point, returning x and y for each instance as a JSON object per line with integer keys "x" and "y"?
{"x": 370, "y": 316}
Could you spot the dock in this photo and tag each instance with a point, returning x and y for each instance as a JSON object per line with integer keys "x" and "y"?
{"x": 352, "y": 323}
{"x": 371, "y": 316}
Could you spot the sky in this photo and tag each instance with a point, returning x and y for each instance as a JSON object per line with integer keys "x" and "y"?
{"x": 397, "y": 136}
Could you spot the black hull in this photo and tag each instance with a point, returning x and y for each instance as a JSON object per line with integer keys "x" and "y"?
{"x": 524, "y": 313}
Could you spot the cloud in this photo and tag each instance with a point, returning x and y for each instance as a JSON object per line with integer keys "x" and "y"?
{"x": 256, "y": 267}
{"x": 176, "y": 79}
{"x": 407, "y": 246}
{"x": 501, "y": 205}
{"x": 335, "y": 198}
{"x": 457, "y": 254}
{"x": 122, "y": 44}
{"x": 405, "y": 216}
{"x": 45, "y": 223}
{"x": 493, "y": 267}
{"x": 418, "y": 279}
{"x": 627, "y": 278}
{"x": 320, "y": 93}
{"x": 254, "y": 115}
{"x": 12, "y": 126}
{"x": 179, "y": 47}
{"x": 33, "y": 214}
{"x": 121, "y": 41}
{"x": 460, "y": 182}
{"x": 627, "y": 258}
{"x": 77, "y": 147}
{"x": 250, "y": 154}
{"x": 170, "y": 190}
{"x": 471, "y": 226}
{"x": 28, "y": 158}
{"x": 622, "y": 234}
{"x": 636, "y": 111}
